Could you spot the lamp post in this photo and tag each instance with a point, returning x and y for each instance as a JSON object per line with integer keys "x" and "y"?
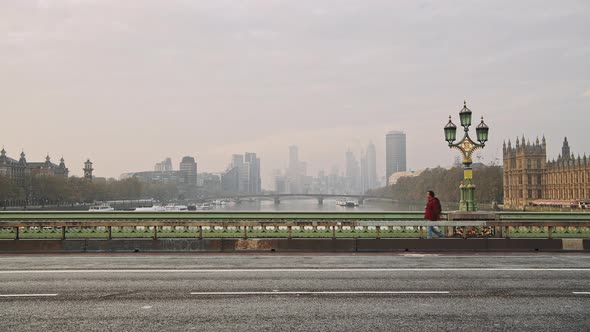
{"x": 466, "y": 146}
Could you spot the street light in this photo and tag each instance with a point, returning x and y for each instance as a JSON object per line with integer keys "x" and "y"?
{"x": 466, "y": 145}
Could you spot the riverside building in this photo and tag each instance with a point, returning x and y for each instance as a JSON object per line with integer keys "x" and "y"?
{"x": 395, "y": 153}
{"x": 531, "y": 179}
{"x": 20, "y": 170}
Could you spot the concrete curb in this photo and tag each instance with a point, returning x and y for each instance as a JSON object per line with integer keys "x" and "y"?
{"x": 291, "y": 245}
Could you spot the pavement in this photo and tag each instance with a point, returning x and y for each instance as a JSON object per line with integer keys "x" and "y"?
{"x": 296, "y": 292}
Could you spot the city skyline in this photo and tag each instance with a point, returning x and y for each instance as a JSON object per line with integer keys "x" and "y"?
{"x": 83, "y": 81}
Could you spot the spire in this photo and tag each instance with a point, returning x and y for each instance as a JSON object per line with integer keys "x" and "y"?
{"x": 565, "y": 149}
{"x": 3, "y": 152}
{"x": 517, "y": 142}
{"x": 22, "y": 159}
{"x": 537, "y": 141}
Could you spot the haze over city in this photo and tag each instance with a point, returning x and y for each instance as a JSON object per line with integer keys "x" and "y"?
{"x": 128, "y": 84}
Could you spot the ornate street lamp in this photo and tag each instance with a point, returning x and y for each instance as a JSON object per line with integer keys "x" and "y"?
{"x": 466, "y": 146}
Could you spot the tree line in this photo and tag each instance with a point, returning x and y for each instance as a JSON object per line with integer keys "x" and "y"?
{"x": 55, "y": 190}
{"x": 445, "y": 183}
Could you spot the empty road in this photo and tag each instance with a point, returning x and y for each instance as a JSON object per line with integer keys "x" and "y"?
{"x": 270, "y": 292}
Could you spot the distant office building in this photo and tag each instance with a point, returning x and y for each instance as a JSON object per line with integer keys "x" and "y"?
{"x": 243, "y": 175}
{"x": 296, "y": 172}
{"x": 364, "y": 173}
{"x": 185, "y": 179}
{"x": 369, "y": 168}
{"x": 254, "y": 181}
{"x": 188, "y": 166}
{"x": 372, "y": 166}
{"x": 280, "y": 184}
{"x": 352, "y": 173}
{"x": 293, "y": 158}
{"x": 176, "y": 178}
{"x": 164, "y": 166}
{"x": 230, "y": 180}
{"x": 209, "y": 182}
{"x": 395, "y": 153}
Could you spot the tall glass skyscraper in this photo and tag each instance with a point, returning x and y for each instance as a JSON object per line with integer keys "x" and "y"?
{"x": 395, "y": 153}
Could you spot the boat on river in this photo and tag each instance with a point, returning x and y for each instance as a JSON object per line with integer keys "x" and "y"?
{"x": 101, "y": 208}
{"x": 153, "y": 208}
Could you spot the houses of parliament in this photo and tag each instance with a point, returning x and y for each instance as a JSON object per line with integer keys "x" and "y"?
{"x": 531, "y": 179}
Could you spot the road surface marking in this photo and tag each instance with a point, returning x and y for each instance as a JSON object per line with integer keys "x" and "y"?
{"x": 582, "y": 293}
{"x": 26, "y": 295}
{"x": 321, "y": 293}
{"x": 300, "y": 270}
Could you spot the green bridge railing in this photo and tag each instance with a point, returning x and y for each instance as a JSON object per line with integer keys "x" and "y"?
{"x": 113, "y": 225}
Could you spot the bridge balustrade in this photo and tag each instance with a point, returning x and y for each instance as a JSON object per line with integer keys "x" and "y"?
{"x": 60, "y": 225}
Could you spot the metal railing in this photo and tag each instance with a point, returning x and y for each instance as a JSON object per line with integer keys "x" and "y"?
{"x": 69, "y": 225}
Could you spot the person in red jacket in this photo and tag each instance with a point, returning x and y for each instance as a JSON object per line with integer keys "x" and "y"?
{"x": 432, "y": 213}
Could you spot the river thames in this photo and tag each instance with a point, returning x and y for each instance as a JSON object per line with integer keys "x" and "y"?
{"x": 311, "y": 205}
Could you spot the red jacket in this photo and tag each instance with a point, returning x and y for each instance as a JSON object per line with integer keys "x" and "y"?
{"x": 433, "y": 209}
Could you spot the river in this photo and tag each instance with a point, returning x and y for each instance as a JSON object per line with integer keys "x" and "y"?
{"x": 311, "y": 205}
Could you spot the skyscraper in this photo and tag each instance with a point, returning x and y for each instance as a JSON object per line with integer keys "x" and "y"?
{"x": 293, "y": 158}
{"x": 243, "y": 175}
{"x": 364, "y": 172}
{"x": 296, "y": 172}
{"x": 254, "y": 181}
{"x": 188, "y": 166}
{"x": 372, "y": 165}
{"x": 352, "y": 173}
{"x": 395, "y": 153}
{"x": 164, "y": 166}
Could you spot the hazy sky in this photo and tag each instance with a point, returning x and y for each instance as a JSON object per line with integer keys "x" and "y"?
{"x": 128, "y": 83}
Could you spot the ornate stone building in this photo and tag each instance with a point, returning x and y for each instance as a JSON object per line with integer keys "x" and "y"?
{"x": 21, "y": 170}
{"x": 529, "y": 178}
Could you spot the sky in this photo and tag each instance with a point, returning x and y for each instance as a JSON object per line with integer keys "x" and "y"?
{"x": 129, "y": 83}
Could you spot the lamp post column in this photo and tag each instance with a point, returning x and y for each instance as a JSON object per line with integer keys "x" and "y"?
{"x": 466, "y": 145}
{"x": 467, "y": 188}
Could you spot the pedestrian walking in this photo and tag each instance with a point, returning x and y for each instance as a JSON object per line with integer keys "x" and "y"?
{"x": 432, "y": 213}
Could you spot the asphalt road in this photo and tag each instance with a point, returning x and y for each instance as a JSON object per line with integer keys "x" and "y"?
{"x": 447, "y": 292}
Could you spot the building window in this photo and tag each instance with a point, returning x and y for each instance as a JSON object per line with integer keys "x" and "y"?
{"x": 528, "y": 164}
{"x": 529, "y": 179}
{"x": 539, "y": 177}
{"x": 538, "y": 163}
{"x": 529, "y": 194}
{"x": 539, "y": 194}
